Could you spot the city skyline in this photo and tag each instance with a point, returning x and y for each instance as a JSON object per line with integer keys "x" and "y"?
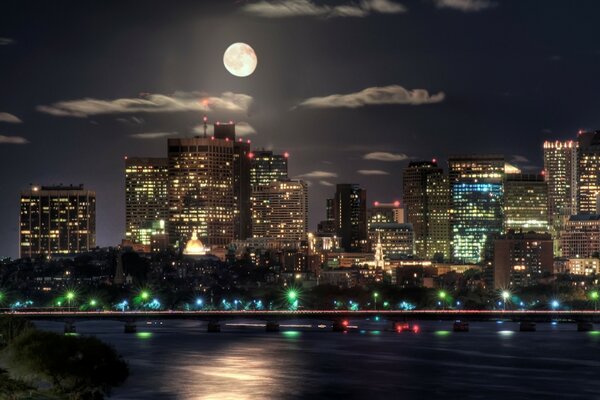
{"x": 517, "y": 97}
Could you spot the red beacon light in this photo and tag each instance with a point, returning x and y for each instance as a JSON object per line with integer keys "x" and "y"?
{"x": 345, "y": 323}
{"x": 250, "y": 155}
{"x": 205, "y": 119}
{"x": 434, "y": 160}
{"x": 286, "y": 154}
{"x": 376, "y": 203}
{"x": 396, "y": 203}
{"x": 249, "y": 141}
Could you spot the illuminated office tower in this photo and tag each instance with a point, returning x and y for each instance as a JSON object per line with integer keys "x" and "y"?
{"x": 146, "y": 202}
{"x": 560, "y": 171}
{"x": 397, "y": 239}
{"x": 588, "y": 173}
{"x": 267, "y": 167}
{"x": 525, "y": 203}
{"x": 426, "y": 200}
{"x": 280, "y": 210}
{"x": 384, "y": 213}
{"x": 201, "y": 190}
{"x": 476, "y": 189}
{"x": 438, "y": 237}
{"x": 350, "y": 216}
{"x": 57, "y": 220}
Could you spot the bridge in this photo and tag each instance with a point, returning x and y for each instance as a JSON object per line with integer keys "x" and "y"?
{"x": 339, "y": 318}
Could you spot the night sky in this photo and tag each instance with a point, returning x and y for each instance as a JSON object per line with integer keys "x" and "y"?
{"x": 418, "y": 79}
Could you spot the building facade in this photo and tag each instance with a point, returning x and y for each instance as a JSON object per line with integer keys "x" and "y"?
{"x": 476, "y": 187}
{"x": 146, "y": 198}
{"x": 521, "y": 259}
{"x": 580, "y": 237}
{"x": 280, "y": 210}
{"x": 350, "y": 216}
{"x": 526, "y": 203}
{"x": 397, "y": 240}
{"x": 588, "y": 173}
{"x": 201, "y": 190}
{"x": 267, "y": 167}
{"x": 57, "y": 220}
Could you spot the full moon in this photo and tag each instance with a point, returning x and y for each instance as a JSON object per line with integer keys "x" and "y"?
{"x": 240, "y": 59}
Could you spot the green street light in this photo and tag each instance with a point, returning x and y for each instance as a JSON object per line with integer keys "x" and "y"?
{"x": 375, "y": 296}
{"x": 145, "y": 295}
{"x": 70, "y": 296}
{"x": 594, "y": 296}
{"x": 292, "y": 295}
{"x": 93, "y": 303}
{"x": 442, "y": 296}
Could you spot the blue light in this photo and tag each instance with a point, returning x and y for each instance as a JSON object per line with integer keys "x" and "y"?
{"x": 198, "y": 302}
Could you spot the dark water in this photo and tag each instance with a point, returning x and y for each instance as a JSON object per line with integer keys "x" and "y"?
{"x": 179, "y": 360}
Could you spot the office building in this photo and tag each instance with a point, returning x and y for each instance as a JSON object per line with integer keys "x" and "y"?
{"x": 267, "y": 167}
{"x": 588, "y": 173}
{"x": 350, "y": 216}
{"x": 280, "y": 210}
{"x": 146, "y": 200}
{"x": 526, "y": 203}
{"x": 384, "y": 213}
{"x": 580, "y": 237}
{"x": 521, "y": 259}
{"x": 57, "y": 220}
{"x": 201, "y": 190}
{"x": 476, "y": 187}
{"x": 397, "y": 240}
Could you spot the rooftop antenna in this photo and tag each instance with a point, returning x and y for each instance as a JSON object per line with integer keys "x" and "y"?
{"x": 205, "y": 119}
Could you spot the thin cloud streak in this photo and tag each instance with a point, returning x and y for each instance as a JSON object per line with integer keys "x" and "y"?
{"x": 152, "y": 135}
{"x": 151, "y": 103}
{"x": 386, "y": 95}
{"x": 10, "y": 118}
{"x": 13, "y": 140}
{"x": 385, "y": 156}
{"x": 307, "y": 8}
{"x": 319, "y": 174}
{"x": 465, "y": 5}
{"x": 372, "y": 172}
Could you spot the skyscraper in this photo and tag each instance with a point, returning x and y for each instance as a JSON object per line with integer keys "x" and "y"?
{"x": 384, "y": 213}
{"x": 280, "y": 210}
{"x": 57, "y": 220}
{"x": 267, "y": 167}
{"x": 560, "y": 171}
{"x": 146, "y": 200}
{"x": 526, "y": 203}
{"x": 201, "y": 190}
{"x": 476, "y": 187}
{"x": 588, "y": 173}
{"x": 350, "y": 212}
{"x": 426, "y": 200}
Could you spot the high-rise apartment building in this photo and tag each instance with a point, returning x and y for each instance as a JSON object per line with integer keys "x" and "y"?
{"x": 526, "y": 203}
{"x": 201, "y": 190}
{"x": 57, "y": 220}
{"x": 267, "y": 167}
{"x": 146, "y": 200}
{"x": 438, "y": 239}
{"x": 588, "y": 173}
{"x": 560, "y": 172}
{"x": 280, "y": 210}
{"x": 476, "y": 187}
{"x": 350, "y": 215}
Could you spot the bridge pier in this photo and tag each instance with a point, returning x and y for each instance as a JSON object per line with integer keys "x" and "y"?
{"x": 272, "y": 326}
{"x": 130, "y": 327}
{"x": 340, "y": 326}
{"x": 527, "y": 326}
{"x": 584, "y": 326}
{"x": 70, "y": 327}
{"x": 213, "y": 327}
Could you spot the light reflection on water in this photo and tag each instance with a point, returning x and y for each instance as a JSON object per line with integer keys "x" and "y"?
{"x": 179, "y": 360}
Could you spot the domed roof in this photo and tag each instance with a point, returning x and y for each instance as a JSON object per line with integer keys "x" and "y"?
{"x": 195, "y": 247}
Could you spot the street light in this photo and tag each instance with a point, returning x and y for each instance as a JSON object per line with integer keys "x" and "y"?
{"x": 442, "y": 296}
{"x": 375, "y": 296}
{"x": 593, "y": 295}
{"x": 505, "y": 298}
{"x": 554, "y": 304}
{"x": 70, "y": 296}
{"x": 93, "y": 303}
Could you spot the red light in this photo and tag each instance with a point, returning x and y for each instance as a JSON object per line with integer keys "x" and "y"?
{"x": 227, "y": 139}
{"x": 212, "y": 138}
{"x": 416, "y": 329}
{"x": 434, "y": 160}
{"x": 205, "y": 119}
{"x": 248, "y": 141}
{"x": 345, "y": 322}
{"x": 250, "y": 155}
{"x": 396, "y": 203}
{"x": 230, "y": 121}
{"x": 286, "y": 154}
{"x": 126, "y": 157}
{"x": 376, "y": 203}
{"x": 218, "y": 123}
{"x": 240, "y": 140}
